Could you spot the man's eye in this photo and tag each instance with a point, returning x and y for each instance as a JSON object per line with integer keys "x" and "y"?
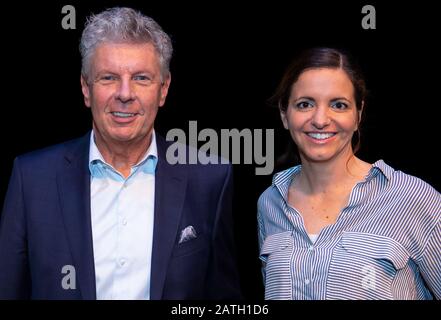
{"x": 108, "y": 78}
{"x": 142, "y": 78}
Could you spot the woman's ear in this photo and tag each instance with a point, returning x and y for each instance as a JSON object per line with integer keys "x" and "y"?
{"x": 359, "y": 114}
{"x": 284, "y": 119}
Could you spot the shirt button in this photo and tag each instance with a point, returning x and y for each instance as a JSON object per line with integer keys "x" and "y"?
{"x": 122, "y": 262}
{"x": 311, "y": 248}
{"x": 307, "y": 281}
{"x": 124, "y": 222}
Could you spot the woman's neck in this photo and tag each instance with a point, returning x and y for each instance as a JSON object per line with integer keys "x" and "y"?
{"x": 330, "y": 176}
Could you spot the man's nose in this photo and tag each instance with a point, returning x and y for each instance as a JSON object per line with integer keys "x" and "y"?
{"x": 321, "y": 117}
{"x": 125, "y": 91}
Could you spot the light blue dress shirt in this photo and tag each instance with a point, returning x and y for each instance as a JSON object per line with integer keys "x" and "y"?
{"x": 122, "y": 212}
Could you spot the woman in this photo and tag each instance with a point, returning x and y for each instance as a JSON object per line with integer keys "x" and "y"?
{"x": 337, "y": 227}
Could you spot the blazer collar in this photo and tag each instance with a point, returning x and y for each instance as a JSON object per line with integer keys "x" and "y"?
{"x": 170, "y": 187}
{"x": 73, "y": 180}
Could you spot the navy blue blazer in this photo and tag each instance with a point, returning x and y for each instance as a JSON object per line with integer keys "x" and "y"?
{"x": 46, "y": 224}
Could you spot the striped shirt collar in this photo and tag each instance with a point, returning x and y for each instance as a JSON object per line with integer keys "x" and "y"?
{"x": 282, "y": 179}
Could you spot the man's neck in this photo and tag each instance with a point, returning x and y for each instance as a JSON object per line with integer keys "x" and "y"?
{"x": 122, "y": 155}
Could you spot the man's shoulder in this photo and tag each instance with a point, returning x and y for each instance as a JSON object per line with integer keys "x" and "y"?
{"x": 50, "y": 155}
{"x": 196, "y": 162}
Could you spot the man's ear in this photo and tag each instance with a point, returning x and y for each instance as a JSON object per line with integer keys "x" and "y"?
{"x": 86, "y": 91}
{"x": 164, "y": 89}
{"x": 284, "y": 119}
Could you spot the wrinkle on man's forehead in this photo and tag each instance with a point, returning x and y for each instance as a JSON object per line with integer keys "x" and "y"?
{"x": 126, "y": 58}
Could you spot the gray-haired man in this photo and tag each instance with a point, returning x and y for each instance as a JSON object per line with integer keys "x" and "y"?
{"x": 106, "y": 216}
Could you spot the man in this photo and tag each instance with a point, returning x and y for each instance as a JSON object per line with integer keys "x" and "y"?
{"x": 106, "y": 216}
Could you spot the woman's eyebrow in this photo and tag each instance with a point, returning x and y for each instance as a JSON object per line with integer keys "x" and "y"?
{"x": 304, "y": 98}
{"x": 340, "y": 98}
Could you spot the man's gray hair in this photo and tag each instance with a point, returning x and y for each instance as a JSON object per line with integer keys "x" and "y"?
{"x": 124, "y": 25}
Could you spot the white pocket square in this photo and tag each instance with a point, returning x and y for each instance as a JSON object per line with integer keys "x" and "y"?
{"x": 187, "y": 233}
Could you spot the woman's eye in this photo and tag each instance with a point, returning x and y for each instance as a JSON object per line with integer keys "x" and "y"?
{"x": 303, "y": 105}
{"x": 340, "y": 106}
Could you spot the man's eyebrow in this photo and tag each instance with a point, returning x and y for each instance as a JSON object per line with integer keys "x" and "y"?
{"x": 104, "y": 72}
{"x": 145, "y": 71}
{"x": 134, "y": 72}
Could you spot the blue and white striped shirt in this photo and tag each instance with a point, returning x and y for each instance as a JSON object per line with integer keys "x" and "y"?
{"x": 385, "y": 244}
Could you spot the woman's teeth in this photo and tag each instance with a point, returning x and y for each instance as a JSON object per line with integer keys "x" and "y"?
{"x": 321, "y": 136}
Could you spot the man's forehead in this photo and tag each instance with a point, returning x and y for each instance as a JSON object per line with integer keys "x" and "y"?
{"x": 125, "y": 50}
{"x": 124, "y": 56}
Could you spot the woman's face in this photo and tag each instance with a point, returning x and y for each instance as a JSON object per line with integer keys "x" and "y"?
{"x": 321, "y": 114}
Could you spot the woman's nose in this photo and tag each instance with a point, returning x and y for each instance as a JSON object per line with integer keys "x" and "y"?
{"x": 321, "y": 117}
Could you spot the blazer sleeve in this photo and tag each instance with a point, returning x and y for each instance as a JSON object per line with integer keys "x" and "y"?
{"x": 14, "y": 269}
{"x": 223, "y": 279}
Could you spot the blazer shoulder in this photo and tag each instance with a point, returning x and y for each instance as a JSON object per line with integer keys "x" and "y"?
{"x": 196, "y": 162}
{"x": 49, "y": 156}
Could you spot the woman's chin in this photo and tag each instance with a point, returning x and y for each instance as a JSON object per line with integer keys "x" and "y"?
{"x": 317, "y": 157}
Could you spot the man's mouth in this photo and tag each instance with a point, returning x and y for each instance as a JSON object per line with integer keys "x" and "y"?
{"x": 123, "y": 114}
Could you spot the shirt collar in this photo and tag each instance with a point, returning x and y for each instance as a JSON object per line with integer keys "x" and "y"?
{"x": 96, "y": 158}
{"x": 282, "y": 179}
{"x": 382, "y": 167}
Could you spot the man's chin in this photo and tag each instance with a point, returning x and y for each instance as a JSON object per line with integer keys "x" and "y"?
{"x": 121, "y": 135}
{"x": 125, "y": 136}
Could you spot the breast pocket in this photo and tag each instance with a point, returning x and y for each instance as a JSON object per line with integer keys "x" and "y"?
{"x": 191, "y": 246}
{"x": 364, "y": 267}
{"x": 276, "y": 256}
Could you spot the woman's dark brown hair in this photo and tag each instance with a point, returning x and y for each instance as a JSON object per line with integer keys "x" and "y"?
{"x": 322, "y": 58}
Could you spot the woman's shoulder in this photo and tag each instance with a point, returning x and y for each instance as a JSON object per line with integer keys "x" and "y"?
{"x": 405, "y": 181}
{"x": 280, "y": 181}
{"x": 411, "y": 190}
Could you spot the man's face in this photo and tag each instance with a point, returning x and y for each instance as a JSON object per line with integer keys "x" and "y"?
{"x": 124, "y": 91}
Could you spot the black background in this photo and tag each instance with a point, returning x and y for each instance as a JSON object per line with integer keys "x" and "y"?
{"x": 228, "y": 59}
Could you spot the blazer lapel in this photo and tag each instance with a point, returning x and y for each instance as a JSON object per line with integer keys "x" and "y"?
{"x": 170, "y": 186}
{"x": 73, "y": 181}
